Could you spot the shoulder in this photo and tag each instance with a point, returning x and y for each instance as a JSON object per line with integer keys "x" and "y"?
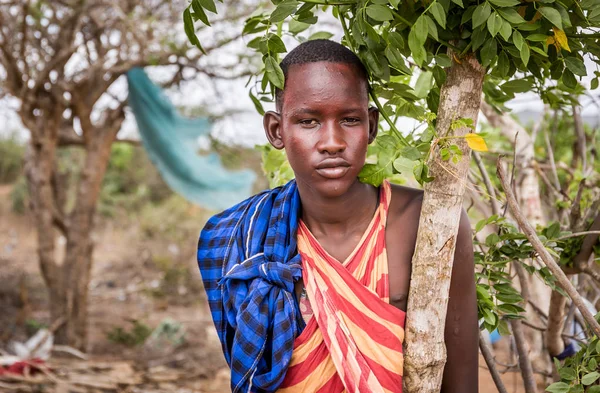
{"x": 405, "y": 203}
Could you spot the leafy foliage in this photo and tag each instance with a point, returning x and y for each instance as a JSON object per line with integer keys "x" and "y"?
{"x": 579, "y": 373}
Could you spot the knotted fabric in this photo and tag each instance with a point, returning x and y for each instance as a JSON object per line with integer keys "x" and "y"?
{"x": 353, "y": 342}
{"x": 249, "y": 263}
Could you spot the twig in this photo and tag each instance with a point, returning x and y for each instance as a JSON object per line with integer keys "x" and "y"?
{"x": 529, "y": 232}
{"x": 524, "y": 361}
{"x": 488, "y": 183}
{"x": 489, "y": 360}
{"x": 576, "y": 234}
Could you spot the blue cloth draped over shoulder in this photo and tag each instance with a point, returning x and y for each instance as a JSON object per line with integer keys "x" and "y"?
{"x": 171, "y": 143}
{"x": 249, "y": 263}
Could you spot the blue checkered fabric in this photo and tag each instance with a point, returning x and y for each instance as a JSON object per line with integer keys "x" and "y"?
{"x": 249, "y": 264}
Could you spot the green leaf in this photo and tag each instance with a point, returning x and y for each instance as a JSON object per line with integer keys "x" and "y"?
{"x": 394, "y": 3}
{"x": 590, "y": 378}
{"x": 494, "y": 23}
{"x": 320, "y": 35}
{"x": 396, "y": 40}
{"x": 567, "y": 373}
{"x": 576, "y": 66}
{"x": 438, "y": 13}
{"x": 275, "y": 44}
{"x": 396, "y": 60}
{"x": 199, "y": 12}
{"x": 478, "y": 38}
{"x": 593, "y": 389}
{"x": 404, "y": 165}
{"x": 594, "y": 84}
{"x": 505, "y": 3}
{"x": 432, "y": 28}
{"x": 459, "y": 3}
{"x": 274, "y": 72}
{"x": 416, "y": 48}
{"x": 209, "y": 5}
{"x": 439, "y": 75}
{"x": 423, "y": 84}
{"x": 552, "y": 15}
{"x": 443, "y": 60}
{"x": 296, "y": 27}
{"x": 558, "y": 387}
{"x": 569, "y": 79}
{"x": 481, "y": 14}
{"x": 503, "y": 64}
{"x": 488, "y": 52}
{"x": 517, "y": 86}
{"x": 505, "y": 30}
{"x": 511, "y": 15}
{"x": 283, "y": 10}
{"x": 188, "y": 25}
{"x": 518, "y": 40}
{"x": 257, "y": 104}
{"x": 379, "y": 12}
{"x": 411, "y": 152}
{"x": 537, "y": 37}
{"x": 420, "y": 28}
{"x": 372, "y": 174}
{"x": 525, "y": 53}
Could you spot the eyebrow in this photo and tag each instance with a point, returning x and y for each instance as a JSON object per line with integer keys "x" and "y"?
{"x": 309, "y": 111}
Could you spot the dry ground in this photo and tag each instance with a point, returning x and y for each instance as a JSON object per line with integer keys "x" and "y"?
{"x": 135, "y": 277}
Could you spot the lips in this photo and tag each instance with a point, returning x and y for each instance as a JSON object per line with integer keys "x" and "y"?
{"x": 333, "y": 168}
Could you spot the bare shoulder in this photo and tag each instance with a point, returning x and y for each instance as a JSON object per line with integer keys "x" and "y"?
{"x": 403, "y": 218}
{"x": 406, "y": 203}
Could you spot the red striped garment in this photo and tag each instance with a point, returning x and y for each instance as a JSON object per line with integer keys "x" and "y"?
{"x": 353, "y": 342}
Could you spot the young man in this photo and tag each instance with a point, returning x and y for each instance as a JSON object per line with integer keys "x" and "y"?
{"x": 308, "y": 283}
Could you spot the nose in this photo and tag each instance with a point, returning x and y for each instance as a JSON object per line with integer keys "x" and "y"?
{"x": 331, "y": 140}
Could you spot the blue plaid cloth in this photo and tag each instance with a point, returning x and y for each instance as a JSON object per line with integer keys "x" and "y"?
{"x": 249, "y": 264}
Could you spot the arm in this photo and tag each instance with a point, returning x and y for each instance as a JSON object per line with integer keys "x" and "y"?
{"x": 462, "y": 330}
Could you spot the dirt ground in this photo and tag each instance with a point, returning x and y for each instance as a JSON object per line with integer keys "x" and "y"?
{"x": 135, "y": 277}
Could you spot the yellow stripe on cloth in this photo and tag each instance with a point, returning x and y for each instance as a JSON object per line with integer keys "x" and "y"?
{"x": 353, "y": 343}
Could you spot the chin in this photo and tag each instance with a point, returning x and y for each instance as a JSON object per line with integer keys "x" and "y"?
{"x": 334, "y": 188}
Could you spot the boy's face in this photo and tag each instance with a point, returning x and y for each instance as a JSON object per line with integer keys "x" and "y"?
{"x": 325, "y": 125}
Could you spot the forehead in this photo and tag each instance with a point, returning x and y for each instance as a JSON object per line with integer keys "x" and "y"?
{"x": 325, "y": 84}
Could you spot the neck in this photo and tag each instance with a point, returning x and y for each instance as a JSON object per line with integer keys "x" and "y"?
{"x": 340, "y": 214}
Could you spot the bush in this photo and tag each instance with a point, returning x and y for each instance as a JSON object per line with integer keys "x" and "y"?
{"x": 19, "y": 196}
{"x": 12, "y": 153}
{"x": 135, "y": 336}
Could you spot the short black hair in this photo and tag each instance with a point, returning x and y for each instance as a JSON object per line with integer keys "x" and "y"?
{"x": 319, "y": 50}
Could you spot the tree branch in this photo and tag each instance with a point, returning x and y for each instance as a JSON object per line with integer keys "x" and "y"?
{"x": 531, "y": 235}
{"x": 491, "y": 363}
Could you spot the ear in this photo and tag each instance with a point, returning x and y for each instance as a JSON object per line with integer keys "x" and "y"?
{"x": 272, "y": 125}
{"x": 373, "y": 123}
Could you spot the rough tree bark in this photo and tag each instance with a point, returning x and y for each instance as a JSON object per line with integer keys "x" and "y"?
{"x": 460, "y": 97}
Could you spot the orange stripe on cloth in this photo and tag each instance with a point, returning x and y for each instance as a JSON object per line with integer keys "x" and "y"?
{"x": 353, "y": 343}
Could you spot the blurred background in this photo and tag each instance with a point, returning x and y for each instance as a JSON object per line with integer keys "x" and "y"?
{"x": 87, "y": 210}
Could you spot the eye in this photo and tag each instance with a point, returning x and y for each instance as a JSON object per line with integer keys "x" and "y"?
{"x": 308, "y": 122}
{"x": 351, "y": 120}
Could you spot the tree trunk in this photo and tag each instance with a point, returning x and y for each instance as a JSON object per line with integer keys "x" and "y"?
{"x": 460, "y": 97}
{"x": 67, "y": 280}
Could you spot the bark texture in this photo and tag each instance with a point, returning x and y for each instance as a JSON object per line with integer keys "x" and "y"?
{"x": 460, "y": 97}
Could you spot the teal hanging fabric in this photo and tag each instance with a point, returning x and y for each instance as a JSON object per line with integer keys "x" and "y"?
{"x": 171, "y": 143}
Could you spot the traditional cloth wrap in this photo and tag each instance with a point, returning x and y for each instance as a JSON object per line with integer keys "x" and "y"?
{"x": 353, "y": 342}
{"x": 249, "y": 264}
{"x": 249, "y": 261}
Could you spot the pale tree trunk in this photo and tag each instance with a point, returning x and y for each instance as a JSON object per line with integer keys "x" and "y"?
{"x": 460, "y": 97}
{"x": 527, "y": 189}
